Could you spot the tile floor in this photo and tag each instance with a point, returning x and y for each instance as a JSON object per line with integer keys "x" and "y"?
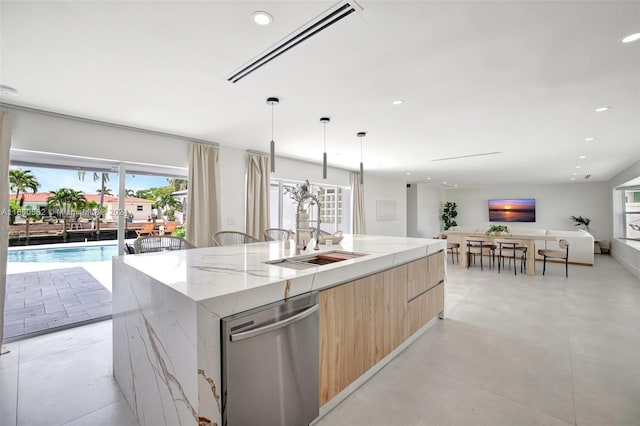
{"x": 513, "y": 351}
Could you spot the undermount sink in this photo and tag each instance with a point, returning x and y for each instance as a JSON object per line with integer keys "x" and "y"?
{"x": 314, "y": 260}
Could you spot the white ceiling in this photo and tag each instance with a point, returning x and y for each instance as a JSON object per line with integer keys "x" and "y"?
{"x": 522, "y": 78}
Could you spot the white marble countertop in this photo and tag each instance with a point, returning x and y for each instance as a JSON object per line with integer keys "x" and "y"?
{"x": 206, "y": 273}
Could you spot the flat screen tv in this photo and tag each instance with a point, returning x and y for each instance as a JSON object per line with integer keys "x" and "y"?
{"x": 512, "y": 210}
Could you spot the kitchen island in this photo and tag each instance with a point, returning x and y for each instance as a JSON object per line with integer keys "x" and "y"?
{"x": 167, "y": 309}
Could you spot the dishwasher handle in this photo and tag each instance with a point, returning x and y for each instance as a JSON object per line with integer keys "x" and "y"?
{"x": 267, "y": 328}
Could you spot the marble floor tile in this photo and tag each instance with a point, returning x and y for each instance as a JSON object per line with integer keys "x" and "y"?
{"x": 58, "y": 388}
{"x": 114, "y": 414}
{"x": 402, "y": 394}
{"x": 529, "y": 374}
{"x": 9, "y": 395}
{"x": 65, "y": 341}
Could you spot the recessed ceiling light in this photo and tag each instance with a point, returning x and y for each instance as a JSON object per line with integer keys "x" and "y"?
{"x": 398, "y": 102}
{"x": 589, "y": 139}
{"x": 455, "y": 184}
{"x": 444, "y": 183}
{"x": 602, "y": 109}
{"x": 575, "y": 173}
{"x": 631, "y": 37}
{"x": 262, "y": 18}
{"x": 408, "y": 173}
{"x": 582, "y": 157}
{"x": 573, "y": 178}
{"x": 7, "y": 90}
{"x": 428, "y": 178}
{"x": 578, "y": 167}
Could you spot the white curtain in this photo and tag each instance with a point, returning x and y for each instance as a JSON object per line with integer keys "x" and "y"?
{"x": 203, "y": 194}
{"x": 5, "y": 144}
{"x": 257, "y": 195}
{"x": 357, "y": 192}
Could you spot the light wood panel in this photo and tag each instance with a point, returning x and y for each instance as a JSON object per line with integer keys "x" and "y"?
{"x": 337, "y": 338}
{"x": 417, "y": 275}
{"x": 423, "y": 308}
{"x": 395, "y": 306}
{"x": 435, "y": 269}
{"x": 363, "y": 321}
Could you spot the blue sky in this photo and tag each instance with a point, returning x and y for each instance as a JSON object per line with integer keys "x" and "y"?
{"x": 51, "y": 179}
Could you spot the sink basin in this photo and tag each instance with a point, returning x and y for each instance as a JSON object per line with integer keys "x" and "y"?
{"x": 314, "y": 260}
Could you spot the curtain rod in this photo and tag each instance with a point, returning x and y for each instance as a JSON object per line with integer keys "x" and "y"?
{"x": 104, "y": 123}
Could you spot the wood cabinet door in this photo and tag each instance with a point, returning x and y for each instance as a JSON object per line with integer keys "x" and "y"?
{"x": 417, "y": 277}
{"x": 435, "y": 269}
{"x": 395, "y": 308}
{"x": 424, "y": 307}
{"x": 337, "y": 339}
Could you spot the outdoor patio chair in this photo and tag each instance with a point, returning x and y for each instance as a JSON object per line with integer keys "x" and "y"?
{"x": 229, "y": 238}
{"x": 170, "y": 227}
{"x": 277, "y": 234}
{"x": 147, "y": 229}
{"x": 158, "y": 243}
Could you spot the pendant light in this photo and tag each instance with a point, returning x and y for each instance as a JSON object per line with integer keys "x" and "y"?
{"x": 361, "y": 135}
{"x": 325, "y": 121}
{"x": 273, "y": 102}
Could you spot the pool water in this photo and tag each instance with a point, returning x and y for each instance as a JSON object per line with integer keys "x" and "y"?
{"x": 65, "y": 254}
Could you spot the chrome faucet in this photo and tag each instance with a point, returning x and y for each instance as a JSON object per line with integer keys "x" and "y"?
{"x": 314, "y": 199}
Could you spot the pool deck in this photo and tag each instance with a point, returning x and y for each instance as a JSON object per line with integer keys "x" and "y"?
{"x": 49, "y": 296}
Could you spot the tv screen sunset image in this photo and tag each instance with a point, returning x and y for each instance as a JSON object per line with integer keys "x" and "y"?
{"x": 514, "y": 210}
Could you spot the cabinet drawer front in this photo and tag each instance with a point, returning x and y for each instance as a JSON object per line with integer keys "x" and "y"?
{"x": 424, "y": 307}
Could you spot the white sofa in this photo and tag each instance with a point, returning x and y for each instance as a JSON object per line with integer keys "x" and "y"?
{"x": 580, "y": 242}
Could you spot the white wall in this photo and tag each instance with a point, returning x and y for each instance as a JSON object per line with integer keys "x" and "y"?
{"x": 554, "y": 205}
{"x": 381, "y": 189}
{"x": 429, "y": 205}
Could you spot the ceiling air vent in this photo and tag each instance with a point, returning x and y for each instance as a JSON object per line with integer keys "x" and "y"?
{"x": 319, "y": 23}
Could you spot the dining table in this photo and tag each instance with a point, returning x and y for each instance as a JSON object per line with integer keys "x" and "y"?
{"x": 528, "y": 240}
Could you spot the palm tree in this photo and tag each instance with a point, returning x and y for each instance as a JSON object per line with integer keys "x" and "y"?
{"x": 178, "y": 184}
{"x": 21, "y": 180}
{"x": 130, "y": 193}
{"x": 66, "y": 199}
{"x": 106, "y": 191}
{"x": 103, "y": 178}
{"x": 165, "y": 201}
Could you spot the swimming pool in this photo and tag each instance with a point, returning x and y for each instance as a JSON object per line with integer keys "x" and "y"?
{"x": 65, "y": 254}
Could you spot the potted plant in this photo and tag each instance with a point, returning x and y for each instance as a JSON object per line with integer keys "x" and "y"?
{"x": 449, "y": 213}
{"x": 582, "y": 222}
{"x": 497, "y": 230}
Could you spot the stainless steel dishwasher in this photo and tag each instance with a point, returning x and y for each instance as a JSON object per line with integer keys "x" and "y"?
{"x": 270, "y": 364}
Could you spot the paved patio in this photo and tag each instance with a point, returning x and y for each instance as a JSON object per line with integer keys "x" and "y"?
{"x": 44, "y": 301}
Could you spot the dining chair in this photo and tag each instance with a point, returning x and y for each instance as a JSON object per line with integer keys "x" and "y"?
{"x": 480, "y": 247}
{"x": 563, "y": 253}
{"x": 158, "y": 243}
{"x": 512, "y": 249}
{"x": 277, "y": 234}
{"x": 451, "y": 247}
{"x": 229, "y": 238}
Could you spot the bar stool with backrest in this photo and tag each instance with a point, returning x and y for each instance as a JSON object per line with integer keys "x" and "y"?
{"x": 563, "y": 253}
{"x": 480, "y": 246}
{"x": 159, "y": 243}
{"x": 277, "y": 234}
{"x": 229, "y": 238}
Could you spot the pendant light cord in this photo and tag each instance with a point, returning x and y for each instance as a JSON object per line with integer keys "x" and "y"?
{"x": 325, "y": 136}
{"x": 272, "y": 121}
